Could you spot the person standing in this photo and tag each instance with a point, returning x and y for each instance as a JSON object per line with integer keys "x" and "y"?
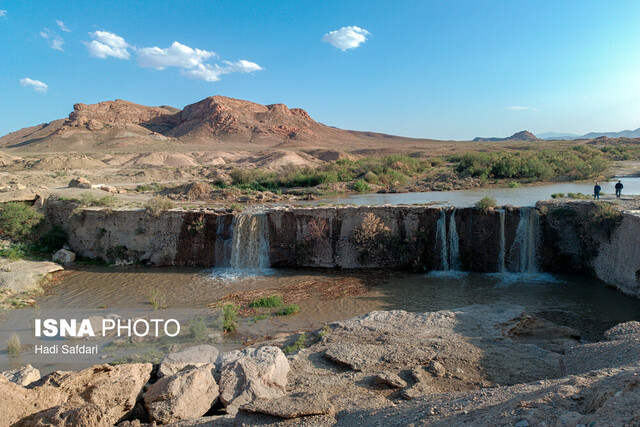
{"x": 596, "y": 191}
{"x": 619, "y": 188}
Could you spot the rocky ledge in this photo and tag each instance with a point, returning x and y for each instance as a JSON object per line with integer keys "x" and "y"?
{"x": 475, "y": 365}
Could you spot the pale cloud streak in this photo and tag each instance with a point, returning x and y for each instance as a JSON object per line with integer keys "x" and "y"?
{"x": 346, "y": 37}
{"x": 37, "y": 85}
{"x": 62, "y": 26}
{"x": 522, "y": 108}
{"x": 192, "y": 62}
{"x": 212, "y": 73}
{"x": 3, "y": 13}
{"x": 106, "y": 44}
{"x": 53, "y": 40}
{"x": 176, "y": 55}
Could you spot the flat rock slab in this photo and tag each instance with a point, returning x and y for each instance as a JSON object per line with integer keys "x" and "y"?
{"x": 292, "y": 406}
{"x": 24, "y": 276}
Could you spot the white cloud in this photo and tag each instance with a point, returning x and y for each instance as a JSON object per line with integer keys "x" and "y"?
{"x": 212, "y": 73}
{"x": 62, "y": 26}
{"x": 346, "y": 37}
{"x": 107, "y": 44}
{"x": 37, "y": 85}
{"x": 3, "y": 13}
{"x": 518, "y": 108}
{"x": 176, "y": 55}
{"x": 53, "y": 40}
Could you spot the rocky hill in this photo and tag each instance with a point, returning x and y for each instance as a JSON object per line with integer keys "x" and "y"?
{"x": 524, "y": 135}
{"x": 215, "y": 120}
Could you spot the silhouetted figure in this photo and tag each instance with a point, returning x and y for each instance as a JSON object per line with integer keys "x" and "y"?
{"x": 596, "y": 191}
{"x": 619, "y": 188}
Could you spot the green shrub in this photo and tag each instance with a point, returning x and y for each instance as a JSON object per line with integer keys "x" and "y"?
{"x": 361, "y": 186}
{"x": 236, "y": 207}
{"x": 158, "y": 204}
{"x": 578, "y": 196}
{"x": 486, "y": 203}
{"x": 513, "y": 184}
{"x": 15, "y": 251}
{"x": 272, "y": 301}
{"x": 288, "y": 310}
{"x": 14, "y": 345}
{"x": 157, "y": 299}
{"x": 198, "y": 330}
{"x": 89, "y": 200}
{"x": 18, "y": 221}
{"x": 299, "y": 344}
{"x": 230, "y": 318}
{"x": 557, "y": 195}
{"x": 54, "y": 239}
{"x": 371, "y": 177}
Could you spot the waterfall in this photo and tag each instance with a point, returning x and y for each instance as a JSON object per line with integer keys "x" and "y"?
{"x": 441, "y": 236}
{"x": 448, "y": 242}
{"x": 222, "y": 246}
{"x": 526, "y": 241}
{"x": 501, "y": 254}
{"x": 454, "y": 251}
{"x": 250, "y": 247}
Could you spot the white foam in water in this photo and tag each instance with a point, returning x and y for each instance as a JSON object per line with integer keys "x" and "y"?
{"x": 250, "y": 248}
{"x": 506, "y": 279}
{"x": 454, "y": 274}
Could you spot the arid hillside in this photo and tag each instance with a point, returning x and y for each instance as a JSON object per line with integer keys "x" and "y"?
{"x": 213, "y": 123}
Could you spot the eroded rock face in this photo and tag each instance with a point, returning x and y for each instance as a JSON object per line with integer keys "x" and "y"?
{"x": 252, "y": 373}
{"x": 19, "y": 402}
{"x": 189, "y": 393}
{"x": 291, "y": 406}
{"x": 101, "y": 394}
{"x": 22, "y": 376}
{"x": 198, "y": 355}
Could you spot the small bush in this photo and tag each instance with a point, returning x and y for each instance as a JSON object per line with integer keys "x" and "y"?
{"x": 272, "y": 301}
{"x": 300, "y": 343}
{"x": 14, "y": 345}
{"x": 230, "y": 316}
{"x": 158, "y": 204}
{"x": 557, "y": 195}
{"x": 288, "y": 310}
{"x": 18, "y": 221}
{"x": 486, "y": 203}
{"x": 236, "y": 207}
{"x": 89, "y": 200}
{"x": 157, "y": 299}
{"x": 361, "y": 186}
{"x": 578, "y": 196}
{"x": 15, "y": 252}
{"x": 513, "y": 184}
{"x": 371, "y": 177}
{"x": 198, "y": 330}
{"x": 54, "y": 239}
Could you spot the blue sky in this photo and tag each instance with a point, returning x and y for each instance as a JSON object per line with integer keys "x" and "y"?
{"x": 447, "y": 69}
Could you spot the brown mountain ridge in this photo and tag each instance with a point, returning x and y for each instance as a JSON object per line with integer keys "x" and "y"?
{"x": 216, "y": 120}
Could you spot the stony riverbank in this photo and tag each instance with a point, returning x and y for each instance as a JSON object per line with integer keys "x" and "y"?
{"x": 489, "y": 363}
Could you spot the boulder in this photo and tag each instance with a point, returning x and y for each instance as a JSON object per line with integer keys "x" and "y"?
{"x": 19, "y": 402}
{"x": 108, "y": 188}
{"x": 112, "y": 390}
{"x": 389, "y": 379}
{"x": 22, "y": 376}
{"x": 251, "y": 374}
{"x": 80, "y": 183}
{"x": 65, "y": 415}
{"x": 187, "y": 394}
{"x": 64, "y": 256}
{"x": 198, "y": 355}
{"x": 623, "y": 330}
{"x": 292, "y": 406}
{"x": 436, "y": 369}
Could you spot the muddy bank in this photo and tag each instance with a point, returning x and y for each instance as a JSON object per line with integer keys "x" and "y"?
{"x": 497, "y": 364}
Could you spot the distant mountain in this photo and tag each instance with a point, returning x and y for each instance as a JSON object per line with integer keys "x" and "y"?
{"x": 213, "y": 121}
{"x": 524, "y": 135}
{"x": 555, "y": 136}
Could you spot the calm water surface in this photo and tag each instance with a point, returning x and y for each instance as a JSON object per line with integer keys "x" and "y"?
{"x": 582, "y": 297}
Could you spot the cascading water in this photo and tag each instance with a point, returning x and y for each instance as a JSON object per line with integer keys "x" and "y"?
{"x": 250, "y": 247}
{"x": 526, "y": 241}
{"x": 441, "y": 236}
{"x": 454, "y": 251}
{"x": 223, "y": 246}
{"x": 501, "y": 254}
{"x": 448, "y": 242}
